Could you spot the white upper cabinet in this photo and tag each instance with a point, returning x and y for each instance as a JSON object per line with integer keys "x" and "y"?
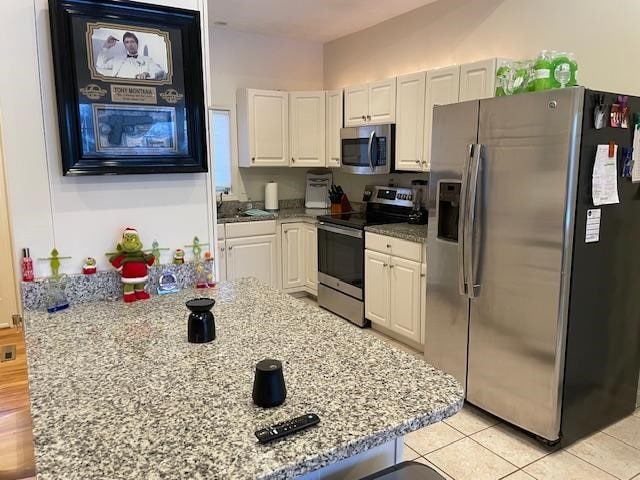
{"x": 410, "y": 117}
{"x": 441, "y": 89}
{"x": 478, "y": 80}
{"x": 307, "y": 129}
{"x": 333, "y": 125}
{"x": 356, "y": 105}
{"x": 370, "y": 104}
{"x": 382, "y": 101}
{"x": 263, "y": 128}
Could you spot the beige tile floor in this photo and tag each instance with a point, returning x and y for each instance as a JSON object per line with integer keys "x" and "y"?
{"x": 473, "y": 445}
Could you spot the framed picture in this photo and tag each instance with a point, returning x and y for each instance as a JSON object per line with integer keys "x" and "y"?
{"x": 129, "y": 87}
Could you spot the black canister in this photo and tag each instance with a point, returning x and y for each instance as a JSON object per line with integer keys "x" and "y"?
{"x": 268, "y": 385}
{"x": 202, "y": 327}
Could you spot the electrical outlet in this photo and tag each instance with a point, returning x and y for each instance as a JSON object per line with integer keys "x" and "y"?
{"x": 7, "y": 353}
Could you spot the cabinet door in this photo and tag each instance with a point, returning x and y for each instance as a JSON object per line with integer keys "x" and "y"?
{"x": 477, "y": 80}
{"x": 307, "y": 129}
{"x": 221, "y": 259}
{"x": 376, "y": 288}
{"x": 405, "y": 297}
{"x": 269, "y": 128}
{"x": 311, "y": 257}
{"x": 410, "y": 122}
{"x": 293, "y": 259}
{"x": 333, "y": 126}
{"x": 356, "y": 105}
{"x": 252, "y": 257}
{"x": 382, "y": 101}
{"x": 441, "y": 89}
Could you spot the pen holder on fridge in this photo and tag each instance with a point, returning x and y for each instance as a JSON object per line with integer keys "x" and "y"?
{"x": 342, "y": 207}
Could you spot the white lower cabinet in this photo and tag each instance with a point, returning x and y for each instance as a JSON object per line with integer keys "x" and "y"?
{"x": 377, "y": 307}
{"x": 293, "y": 271}
{"x": 252, "y": 257}
{"x": 405, "y": 297}
{"x": 310, "y": 235}
{"x": 395, "y": 287}
{"x": 299, "y": 258}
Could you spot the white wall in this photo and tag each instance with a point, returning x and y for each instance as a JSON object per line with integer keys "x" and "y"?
{"x": 458, "y": 31}
{"x": 248, "y": 60}
{"x": 80, "y": 216}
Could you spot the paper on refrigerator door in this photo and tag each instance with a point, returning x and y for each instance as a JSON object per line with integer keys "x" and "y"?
{"x": 604, "y": 182}
{"x": 592, "y": 233}
{"x": 635, "y": 172}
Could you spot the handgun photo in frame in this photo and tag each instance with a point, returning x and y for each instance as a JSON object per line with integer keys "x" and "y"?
{"x": 136, "y": 130}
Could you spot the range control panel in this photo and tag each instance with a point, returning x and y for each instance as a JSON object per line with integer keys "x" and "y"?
{"x": 399, "y": 196}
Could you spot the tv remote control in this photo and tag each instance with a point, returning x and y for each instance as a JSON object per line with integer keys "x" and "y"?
{"x": 266, "y": 435}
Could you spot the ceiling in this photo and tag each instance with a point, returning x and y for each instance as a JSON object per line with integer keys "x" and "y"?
{"x": 314, "y": 20}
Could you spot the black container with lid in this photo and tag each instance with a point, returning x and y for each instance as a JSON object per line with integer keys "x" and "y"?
{"x": 202, "y": 327}
{"x": 269, "y": 389}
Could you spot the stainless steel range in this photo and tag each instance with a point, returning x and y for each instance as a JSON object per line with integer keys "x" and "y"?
{"x": 341, "y": 249}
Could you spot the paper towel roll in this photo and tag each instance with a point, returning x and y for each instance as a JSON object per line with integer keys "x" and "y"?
{"x": 271, "y": 196}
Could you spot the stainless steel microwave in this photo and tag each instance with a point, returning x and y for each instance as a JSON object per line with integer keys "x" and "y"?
{"x": 368, "y": 150}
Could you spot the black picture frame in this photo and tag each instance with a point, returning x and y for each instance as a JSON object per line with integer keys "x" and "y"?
{"x": 166, "y": 137}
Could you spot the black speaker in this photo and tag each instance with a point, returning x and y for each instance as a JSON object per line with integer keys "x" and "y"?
{"x": 269, "y": 389}
{"x": 202, "y": 326}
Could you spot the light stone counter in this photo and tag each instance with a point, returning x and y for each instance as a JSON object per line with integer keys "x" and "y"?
{"x": 118, "y": 392}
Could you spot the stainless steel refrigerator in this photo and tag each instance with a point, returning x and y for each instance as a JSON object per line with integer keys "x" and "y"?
{"x": 541, "y": 327}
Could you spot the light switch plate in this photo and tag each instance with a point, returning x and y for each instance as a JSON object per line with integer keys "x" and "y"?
{"x": 7, "y": 353}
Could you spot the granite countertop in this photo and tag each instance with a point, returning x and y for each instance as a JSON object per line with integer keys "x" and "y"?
{"x": 283, "y": 214}
{"x": 118, "y": 392}
{"x": 406, "y": 231}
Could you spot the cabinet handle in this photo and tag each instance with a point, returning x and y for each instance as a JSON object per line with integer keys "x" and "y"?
{"x": 230, "y": 248}
{"x": 364, "y": 117}
{"x": 369, "y": 117}
{"x": 423, "y": 274}
{"x": 253, "y": 159}
{"x": 390, "y": 266}
{"x": 418, "y": 162}
{"x": 293, "y": 160}
{"x": 388, "y": 245}
{"x": 385, "y": 265}
{"x": 222, "y": 249}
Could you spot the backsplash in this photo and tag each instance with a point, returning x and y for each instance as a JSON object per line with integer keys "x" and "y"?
{"x": 104, "y": 285}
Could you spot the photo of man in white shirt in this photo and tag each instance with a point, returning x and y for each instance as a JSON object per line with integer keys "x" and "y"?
{"x": 133, "y": 64}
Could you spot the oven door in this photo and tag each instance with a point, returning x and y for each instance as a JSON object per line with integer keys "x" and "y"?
{"x": 367, "y": 150}
{"x": 341, "y": 258}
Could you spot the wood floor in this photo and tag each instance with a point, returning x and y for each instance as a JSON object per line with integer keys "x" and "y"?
{"x": 16, "y": 441}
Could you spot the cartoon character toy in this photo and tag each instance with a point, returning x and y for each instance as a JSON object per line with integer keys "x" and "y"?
{"x": 89, "y": 267}
{"x": 132, "y": 263}
{"x": 178, "y": 257}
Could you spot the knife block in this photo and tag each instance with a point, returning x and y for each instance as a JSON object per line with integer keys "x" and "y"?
{"x": 343, "y": 207}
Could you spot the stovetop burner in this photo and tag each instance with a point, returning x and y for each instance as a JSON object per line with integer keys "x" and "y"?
{"x": 360, "y": 219}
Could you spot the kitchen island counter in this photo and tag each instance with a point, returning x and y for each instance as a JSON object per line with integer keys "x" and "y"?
{"x": 118, "y": 392}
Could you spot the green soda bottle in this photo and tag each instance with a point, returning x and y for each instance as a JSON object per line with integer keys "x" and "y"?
{"x": 561, "y": 70}
{"x": 542, "y": 68}
{"x": 502, "y": 78}
{"x": 574, "y": 70}
{"x": 520, "y": 77}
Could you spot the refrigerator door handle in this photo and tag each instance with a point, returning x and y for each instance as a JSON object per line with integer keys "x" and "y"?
{"x": 464, "y": 188}
{"x": 469, "y": 240}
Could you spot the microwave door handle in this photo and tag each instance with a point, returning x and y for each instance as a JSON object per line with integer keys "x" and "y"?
{"x": 462, "y": 216}
{"x": 370, "y": 151}
{"x": 470, "y": 221}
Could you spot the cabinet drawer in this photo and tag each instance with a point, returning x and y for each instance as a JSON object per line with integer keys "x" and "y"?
{"x": 250, "y": 229}
{"x": 220, "y": 228}
{"x": 394, "y": 246}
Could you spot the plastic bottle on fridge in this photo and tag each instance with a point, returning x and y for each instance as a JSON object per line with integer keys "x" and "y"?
{"x": 561, "y": 70}
{"x": 503, "y": 77}
{"x": 542, "y": 68}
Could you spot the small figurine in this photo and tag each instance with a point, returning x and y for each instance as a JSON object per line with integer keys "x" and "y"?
{"x": 133, "y": 264}
{"x": 208, "y": 256}
{"x": 156, "y": 250}
{"x": 55, "y": 284}
{"x": 204, "y": 278}
{"x": 178, "y": 257}
{"x": 89, "y": 267}
{"x": 167, "y": 283}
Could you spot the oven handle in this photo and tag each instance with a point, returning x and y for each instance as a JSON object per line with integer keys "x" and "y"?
{"x": 352, "y": 232}
{"x": 369, "y": 150}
